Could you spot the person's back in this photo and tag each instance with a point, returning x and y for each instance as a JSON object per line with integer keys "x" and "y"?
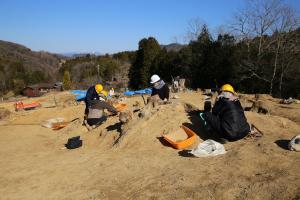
{"x": 232, "y": 117}
{"x": 227, "y": 118}
{"x": 91, "y": 95}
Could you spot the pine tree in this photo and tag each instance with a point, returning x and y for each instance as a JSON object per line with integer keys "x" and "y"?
{"x": 67, "y": 81}
{"x": 139, "y": 73}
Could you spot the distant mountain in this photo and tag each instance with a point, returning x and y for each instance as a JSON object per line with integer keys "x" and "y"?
{"x": 173, "y": 47}
{"x": 79, "y": 54}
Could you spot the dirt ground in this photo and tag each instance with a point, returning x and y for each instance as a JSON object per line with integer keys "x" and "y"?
{"x": 35, "y": 165}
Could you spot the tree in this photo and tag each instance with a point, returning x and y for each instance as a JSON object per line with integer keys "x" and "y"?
{"x": 139, "y": 72}
{"x": 285, "y": 39}
{"x": 18, "y": 85}
{"x": 201, "y": 74}
{"x": 194, "y": 29}
{"x": 261, "y": 27}
{"x": 67, "y": 81}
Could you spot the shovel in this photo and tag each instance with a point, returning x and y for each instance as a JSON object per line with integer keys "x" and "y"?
{"x": 59, "y": 125}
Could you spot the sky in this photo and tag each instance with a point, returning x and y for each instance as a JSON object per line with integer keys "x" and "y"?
{"x": 107, "y": 26}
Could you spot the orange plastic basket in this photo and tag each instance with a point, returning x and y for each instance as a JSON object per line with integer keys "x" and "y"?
{"x": 121, "y": 106}
{"x": 184, "y": 143}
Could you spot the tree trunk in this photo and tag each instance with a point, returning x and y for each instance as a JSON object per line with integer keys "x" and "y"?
{"x": 280, "y": 82}
{"x": 248, "y": 50}
{"x": 275, "y": 67}
{"x": 260, "y": 44}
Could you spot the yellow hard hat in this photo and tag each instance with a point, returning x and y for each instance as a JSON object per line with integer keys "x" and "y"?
{"x": 104, "y": 93}
{"x": 228, "y": 88}
{"x": 98, "y": 88}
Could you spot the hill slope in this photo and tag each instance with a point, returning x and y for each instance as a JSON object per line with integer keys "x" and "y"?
{"x": 44, "y": 61}
{"x": 19, "y": 66}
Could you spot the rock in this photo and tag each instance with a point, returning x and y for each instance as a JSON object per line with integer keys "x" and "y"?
{"x": 261, "y": 107}
{"x": 125, "y": 116}
{"x": 4, "y": 113}
{"x": 284, "y": 123}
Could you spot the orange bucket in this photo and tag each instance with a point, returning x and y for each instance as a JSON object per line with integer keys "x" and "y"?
{"x": 189, "y": 139}
{"x": 121, "y": 106}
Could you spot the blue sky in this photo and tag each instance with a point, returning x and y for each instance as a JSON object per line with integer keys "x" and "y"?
{"x": 106, "y": 26}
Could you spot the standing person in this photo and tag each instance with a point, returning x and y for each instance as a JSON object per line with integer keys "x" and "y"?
{"x": 227, "y": 119}
{"x": 159, "y": 88}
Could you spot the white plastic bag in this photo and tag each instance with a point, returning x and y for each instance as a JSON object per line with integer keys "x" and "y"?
{"x": 48, "y": 123}
{"x": 294, "y": 144}
{"x": 208, "y": 148}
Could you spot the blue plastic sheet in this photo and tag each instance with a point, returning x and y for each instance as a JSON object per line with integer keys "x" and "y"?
{"x": 129, "y": 93}
{"x": 144, "y": 91}
{"x": 80, "y": 94}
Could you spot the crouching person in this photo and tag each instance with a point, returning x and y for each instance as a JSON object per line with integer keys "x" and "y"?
{"x": 96, "y": 115}
{"x": 227, "y": 119}
{"x": 92, "y": 94}
{"x": 160, "y": 91}
{"x": 159, "y": 88}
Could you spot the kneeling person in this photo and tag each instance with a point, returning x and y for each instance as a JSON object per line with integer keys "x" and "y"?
{"x": 96, "y": 115}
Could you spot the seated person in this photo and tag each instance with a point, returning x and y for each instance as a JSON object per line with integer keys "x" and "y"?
{"x": 160, "y": 88}
{"x": 227, "y": 119}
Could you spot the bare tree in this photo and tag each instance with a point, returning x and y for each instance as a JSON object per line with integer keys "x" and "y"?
{"x": 194, "y": 29}
{"x": 284, "y": 47}
{"x": 264, "y": 26}
{"x": 289, "y": 55}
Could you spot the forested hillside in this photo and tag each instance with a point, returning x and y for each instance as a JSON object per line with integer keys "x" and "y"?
{"x": 19, "y": 66}
{"x": 90, "y": 69}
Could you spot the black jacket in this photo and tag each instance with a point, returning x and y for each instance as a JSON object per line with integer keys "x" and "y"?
{"x": 232, "y": 117}
{"x": 91, "y": 95}
{"x": 163, "y": 92}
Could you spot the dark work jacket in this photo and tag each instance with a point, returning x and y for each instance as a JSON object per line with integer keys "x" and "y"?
{"x": 232, "y": 118}
{"x": 162, "y": 92}
{"x": 91, "y": 95}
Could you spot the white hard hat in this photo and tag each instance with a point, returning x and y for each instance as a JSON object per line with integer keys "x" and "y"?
{"x": 154, "y": 79}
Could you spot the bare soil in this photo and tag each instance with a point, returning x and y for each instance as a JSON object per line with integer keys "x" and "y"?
{"x": 35, "y": 165}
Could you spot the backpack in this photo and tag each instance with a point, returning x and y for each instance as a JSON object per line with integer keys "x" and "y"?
{"x": 74, "y": 143}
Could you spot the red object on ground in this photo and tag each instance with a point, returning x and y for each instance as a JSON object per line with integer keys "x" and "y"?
{"x": 21, "y": 106}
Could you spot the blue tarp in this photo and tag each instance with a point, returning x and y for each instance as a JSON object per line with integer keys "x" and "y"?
{"x": 129, "y": 93}
{"x": 80, "y": 94}
{"x": 144, "y": 91}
